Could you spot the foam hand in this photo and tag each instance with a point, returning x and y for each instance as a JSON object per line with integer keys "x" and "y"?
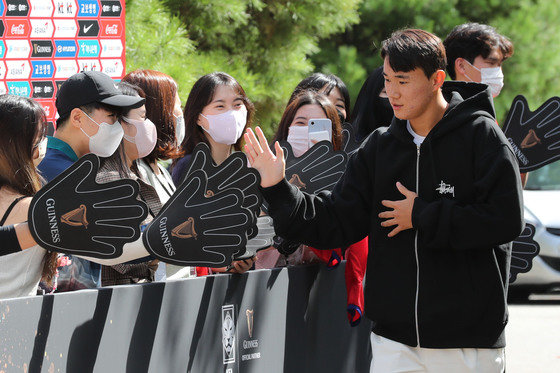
{"x": 74, "y": 214}
{"x": 534, "y": 135}
{"x": 233, "y": 173}
{"x": 196, "y": 228}
{"x": 524, "y": 249}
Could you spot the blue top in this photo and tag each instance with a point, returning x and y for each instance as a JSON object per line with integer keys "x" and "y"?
{"x": 85, "y": 274}
{"x": 58, "y": 158}
{"x": 177, "y": 174}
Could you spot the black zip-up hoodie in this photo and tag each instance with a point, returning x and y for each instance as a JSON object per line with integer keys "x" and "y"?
{"x": 442, "y": 284}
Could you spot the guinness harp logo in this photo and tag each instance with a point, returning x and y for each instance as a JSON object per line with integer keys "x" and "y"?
{"x": 295, "y": 180}
{"x": 76, "y": 217}
{"x": 530, "y": 140}
{"x": 249, "y": 314}
{"x": 185, "y": 230}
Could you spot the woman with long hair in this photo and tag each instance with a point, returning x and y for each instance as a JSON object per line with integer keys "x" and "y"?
{"x": 294, "y": 128}
{"x": 331, "y": 86}
{"x": 23, "y": 128}
{"x": 139, "y": 139}
{"x": 217, "y": 113}
{"x": 163, "y": 108}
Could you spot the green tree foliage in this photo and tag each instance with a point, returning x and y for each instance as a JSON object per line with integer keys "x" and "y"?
{"x": 270, "y": 45}
{"x": 265, "y": 45}
{"x": 532, "y": 25}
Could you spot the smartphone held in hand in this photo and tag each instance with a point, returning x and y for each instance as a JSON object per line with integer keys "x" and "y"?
{"x": 320, "y": 129}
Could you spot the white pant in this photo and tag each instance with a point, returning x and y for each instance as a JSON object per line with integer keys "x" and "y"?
{"x": 390, "y": 356}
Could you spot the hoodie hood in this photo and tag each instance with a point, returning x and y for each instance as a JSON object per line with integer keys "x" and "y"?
{"x": 467, "y": 100}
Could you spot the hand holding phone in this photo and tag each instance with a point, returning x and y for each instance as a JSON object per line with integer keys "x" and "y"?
{"x": 320, "y": 129}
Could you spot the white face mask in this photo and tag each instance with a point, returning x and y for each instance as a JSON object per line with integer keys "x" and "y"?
{"x": 298, "y": 137}
{"x": 145, "y": 138}
{"x": 179, "y": 129}
{"x": 226, "y": 128}
{"x": 106, "y": 140}
{"x": 491, "y": 76}
{"x": 42, "y": 148}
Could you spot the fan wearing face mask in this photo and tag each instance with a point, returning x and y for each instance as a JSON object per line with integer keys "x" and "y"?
{"x": 163, "y": 108}
{"x": 475, "y": 53}
{"x": 88, "y": 104}
{"x": 139, "y": 139}
{"x": 294, "y": 128}
{"x": 217, "y": 113}
{"x": 331, "y": 86}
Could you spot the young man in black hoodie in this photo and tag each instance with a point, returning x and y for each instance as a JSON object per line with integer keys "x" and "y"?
{"x": 438, "y": 193}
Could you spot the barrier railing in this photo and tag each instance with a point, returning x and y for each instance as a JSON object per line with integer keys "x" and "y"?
{"x": 280, "y": 320}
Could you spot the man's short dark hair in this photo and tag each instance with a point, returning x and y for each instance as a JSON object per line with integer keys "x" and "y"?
{"x": 413, "y": 48}
{"x": 471, "y": 40}
{"x": 88, "y": 109}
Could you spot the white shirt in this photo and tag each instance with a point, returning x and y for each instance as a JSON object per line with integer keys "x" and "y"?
{"x": 417, "y": 138}
{"x": 20, "y": 273}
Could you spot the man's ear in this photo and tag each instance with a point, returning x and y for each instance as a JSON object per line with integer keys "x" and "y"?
{"x": 459, "y": 66}
{"x": 438, "y": 78}
{"x": 76, "y": 118}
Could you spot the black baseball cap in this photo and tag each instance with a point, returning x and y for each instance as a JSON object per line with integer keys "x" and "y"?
{"x": 92, "y": 86}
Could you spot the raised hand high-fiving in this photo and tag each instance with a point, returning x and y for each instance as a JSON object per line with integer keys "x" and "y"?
{"x": 76, "y": 215}
{"x": 270, "y": 166}
{"x": 197, "y": 229}
{"x": 534, "y": 135}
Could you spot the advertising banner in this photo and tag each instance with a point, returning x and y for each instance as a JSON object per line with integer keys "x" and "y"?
{"x": 280, "y": 320}
{"x": 46, "y": 41}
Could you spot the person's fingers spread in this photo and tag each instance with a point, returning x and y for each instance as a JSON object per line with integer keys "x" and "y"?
{"x": 389, "y": 223}
{"x": 402, "y": 189}
{"x": 252, "y": 139}
{"x": 279, "y": 150}
{"x": 390, "y": 204}
{"x": 250, "y": 154}
{"x": 262, "y": 140}
{"x": 387, "y": 214}
{"x": 394, "y": 232}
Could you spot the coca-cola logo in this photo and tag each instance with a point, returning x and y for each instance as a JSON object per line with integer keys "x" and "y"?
{"x": 17, "y": 28}
{"x": 111, "y": 28}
